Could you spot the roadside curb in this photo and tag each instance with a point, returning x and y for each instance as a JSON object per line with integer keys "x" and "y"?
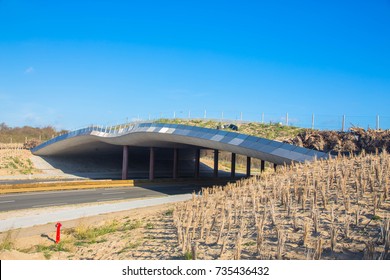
{"x": 95, "y": 184}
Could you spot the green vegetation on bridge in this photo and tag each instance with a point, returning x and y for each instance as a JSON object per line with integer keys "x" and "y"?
{"x": 273, "y": 131}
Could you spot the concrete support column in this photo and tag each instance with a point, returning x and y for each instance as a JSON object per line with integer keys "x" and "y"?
{"x": 275, "y": 165}
{"x": 125, "y": 162}
{"x": 233, "y": 166}
{"x": 216, "y": 154}
{"x": 175, "y": 163}
{"x": 197, "y": 163}
{"x": 248, "y": 166}
{"x": 151, "y": 164}
{"x": 262, "y": 167}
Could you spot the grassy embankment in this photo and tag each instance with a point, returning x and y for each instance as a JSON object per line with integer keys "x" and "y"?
{"x": 271, "y": 131}
{"x": 14, "y": 144}
{"x": 15, "y": 160}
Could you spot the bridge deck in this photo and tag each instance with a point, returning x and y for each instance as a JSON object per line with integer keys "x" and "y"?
{"x": 92, "y": 139}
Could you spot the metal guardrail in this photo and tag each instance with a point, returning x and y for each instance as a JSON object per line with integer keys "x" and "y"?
{"x": 115, "y": 130}
{"x": 257, "y": 147}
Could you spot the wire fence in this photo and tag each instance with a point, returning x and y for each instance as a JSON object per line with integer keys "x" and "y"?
{"x": 314, "y": 121}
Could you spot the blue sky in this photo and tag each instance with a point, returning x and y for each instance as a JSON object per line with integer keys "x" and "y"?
{"x": 74, "y": 63}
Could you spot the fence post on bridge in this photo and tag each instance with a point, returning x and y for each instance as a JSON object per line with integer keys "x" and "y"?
{"x": 377, "y": 122}
{"x": 312, "y": 121}
{"x": 286, "y": 119}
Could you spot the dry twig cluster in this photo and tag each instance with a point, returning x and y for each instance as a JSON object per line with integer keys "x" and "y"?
{"x": 333, "y": 209}
{"x": 356, "y": 140}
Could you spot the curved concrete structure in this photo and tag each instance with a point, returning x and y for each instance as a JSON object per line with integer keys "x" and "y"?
{"x": 107, "y": 140}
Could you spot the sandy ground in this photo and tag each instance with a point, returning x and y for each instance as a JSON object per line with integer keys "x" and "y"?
{"x": 146, "y": 233}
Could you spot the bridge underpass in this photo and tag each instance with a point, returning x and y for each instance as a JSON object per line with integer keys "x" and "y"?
{"x": 169, "y": 150}
{"x": 175, "y": 163}
{"x": 134, "y": 163}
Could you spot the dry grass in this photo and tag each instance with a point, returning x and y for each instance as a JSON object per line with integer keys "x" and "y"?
{"x": 334, "y": 209}
{"x": 7, "y": 243}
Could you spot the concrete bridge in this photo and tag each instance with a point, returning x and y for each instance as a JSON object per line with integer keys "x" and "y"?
{"x": 178, "y": 143}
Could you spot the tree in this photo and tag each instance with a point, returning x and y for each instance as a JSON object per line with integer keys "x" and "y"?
{"x": 3, "y": 126}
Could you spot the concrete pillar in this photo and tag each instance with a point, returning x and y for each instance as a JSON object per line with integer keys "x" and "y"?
{"x": 216, "y": 154}
{"x": 125, "y": 162}
{"x": 175, "y": 163}
{"x": 248, "y": 166}
{"x": 275, "y": 165}
{"x": 197, "y": 163}
{"x": 262, "y": 167}
{"x": 151, "y": 164}
{"x": 233, "y": 166}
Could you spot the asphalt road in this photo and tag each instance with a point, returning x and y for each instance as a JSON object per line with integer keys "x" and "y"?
{"x": 29, "y": 181}
{"x": 58, "y": 198}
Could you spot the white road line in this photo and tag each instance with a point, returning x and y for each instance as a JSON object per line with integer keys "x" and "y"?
{"x": 113, "y": 198}
{"x": 46, "y": 205}
{"x": 112, "y": 193}
{"x": 7, "y": 201}
{"x": 48, "y": 192}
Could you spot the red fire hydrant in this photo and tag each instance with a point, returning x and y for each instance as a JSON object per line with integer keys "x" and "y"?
{"x": 58, "y": 236}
